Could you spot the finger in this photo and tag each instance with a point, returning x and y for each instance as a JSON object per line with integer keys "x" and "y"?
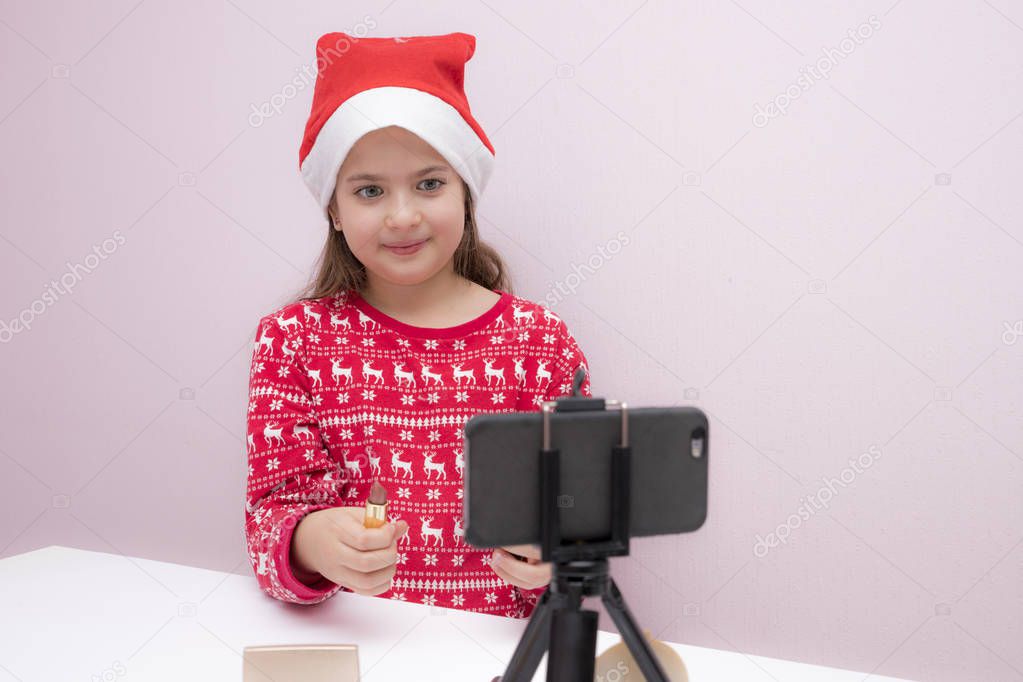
{"x": 503, "y": 575}
{"x": 379, "y": 589}
{"x": 369, "y": 560}
{"x": 375, "y": 589}
{"x": 358, "y": 581}
{"x": 528, "y": 551}
{"x": 366, "y": 593}
{"x": 523, "y": 552}
{"x": 353, "y": 533}
{"x": 519, "y": 582}
{"x": 521, "y": 573}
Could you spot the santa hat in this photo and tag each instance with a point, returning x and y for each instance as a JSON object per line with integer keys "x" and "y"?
{"x": 363, "y": 84}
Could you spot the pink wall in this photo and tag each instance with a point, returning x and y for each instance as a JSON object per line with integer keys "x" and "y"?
{"x": 841, "y": 281}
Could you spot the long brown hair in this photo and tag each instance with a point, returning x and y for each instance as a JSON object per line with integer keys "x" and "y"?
{"x": 338, "y": 269}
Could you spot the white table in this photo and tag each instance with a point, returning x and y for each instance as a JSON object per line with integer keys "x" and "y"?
{"x": 70, "y": 614}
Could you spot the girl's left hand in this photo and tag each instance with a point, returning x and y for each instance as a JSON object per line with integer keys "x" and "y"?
{"x": 528, "y": 574}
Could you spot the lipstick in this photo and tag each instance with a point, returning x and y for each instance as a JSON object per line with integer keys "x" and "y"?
{"x": 376, "y": 506}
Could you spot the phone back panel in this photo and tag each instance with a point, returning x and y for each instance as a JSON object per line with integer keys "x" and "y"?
{"x": 668, "y": 488}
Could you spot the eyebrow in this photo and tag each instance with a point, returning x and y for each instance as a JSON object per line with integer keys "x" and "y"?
{"x": 372, "y": 177}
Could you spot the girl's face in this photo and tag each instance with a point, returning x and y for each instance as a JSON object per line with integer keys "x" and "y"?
{"x": 394, "y": 188}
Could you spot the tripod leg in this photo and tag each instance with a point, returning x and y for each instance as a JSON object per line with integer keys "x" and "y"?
{"x": 638, "y": 646}
{"x": 573, "y": 650}
{"x": 534, "y": 642}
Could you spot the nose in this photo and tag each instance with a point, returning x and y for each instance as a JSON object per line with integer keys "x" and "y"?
{"x": 404, "y": 215}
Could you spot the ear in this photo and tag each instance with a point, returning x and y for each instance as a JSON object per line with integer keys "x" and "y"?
{"x": 332, "y": 212}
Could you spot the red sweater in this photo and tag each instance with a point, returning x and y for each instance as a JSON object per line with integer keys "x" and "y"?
{"x": 340, "y": 394}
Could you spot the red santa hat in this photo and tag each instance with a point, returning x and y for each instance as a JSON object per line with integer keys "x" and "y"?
{"x": 415, "y": 82}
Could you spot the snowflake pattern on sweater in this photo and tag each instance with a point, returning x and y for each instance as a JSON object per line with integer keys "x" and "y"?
{"x": 341, "y": 393}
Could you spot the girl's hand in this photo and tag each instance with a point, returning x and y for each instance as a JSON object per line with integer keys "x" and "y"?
{"x": 333, "y": 543}
{"x": 529, "y": 573}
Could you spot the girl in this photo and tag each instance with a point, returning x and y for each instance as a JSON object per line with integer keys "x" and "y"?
{"x": 409, "y": 329}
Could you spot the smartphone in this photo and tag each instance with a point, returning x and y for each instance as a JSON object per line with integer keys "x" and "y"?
{"x": 501, "y": 486}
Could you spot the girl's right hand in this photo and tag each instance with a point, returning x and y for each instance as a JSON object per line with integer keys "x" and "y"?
{"x": 334, "y": 543}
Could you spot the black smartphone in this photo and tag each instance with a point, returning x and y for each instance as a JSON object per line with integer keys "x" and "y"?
{"x": 668, "y": 475}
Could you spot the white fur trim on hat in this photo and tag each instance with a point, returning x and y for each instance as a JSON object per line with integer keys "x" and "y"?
{"x": 428, "y": 116}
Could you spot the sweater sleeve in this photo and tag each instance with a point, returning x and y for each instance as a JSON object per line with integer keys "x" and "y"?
{"x": 569, "y": 357}
{"x": 290, "y": 472}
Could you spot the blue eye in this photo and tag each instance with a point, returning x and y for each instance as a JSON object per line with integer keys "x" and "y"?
{"x": 361, "y": 189}
{"x": 359, "y": 192}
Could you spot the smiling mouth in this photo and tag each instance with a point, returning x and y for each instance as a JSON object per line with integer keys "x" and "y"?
{"x": 414, "y": 247}
{"x": 402, "y": 245}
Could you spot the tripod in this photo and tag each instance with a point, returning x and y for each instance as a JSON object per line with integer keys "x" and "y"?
{"x": 579, "y": 569}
